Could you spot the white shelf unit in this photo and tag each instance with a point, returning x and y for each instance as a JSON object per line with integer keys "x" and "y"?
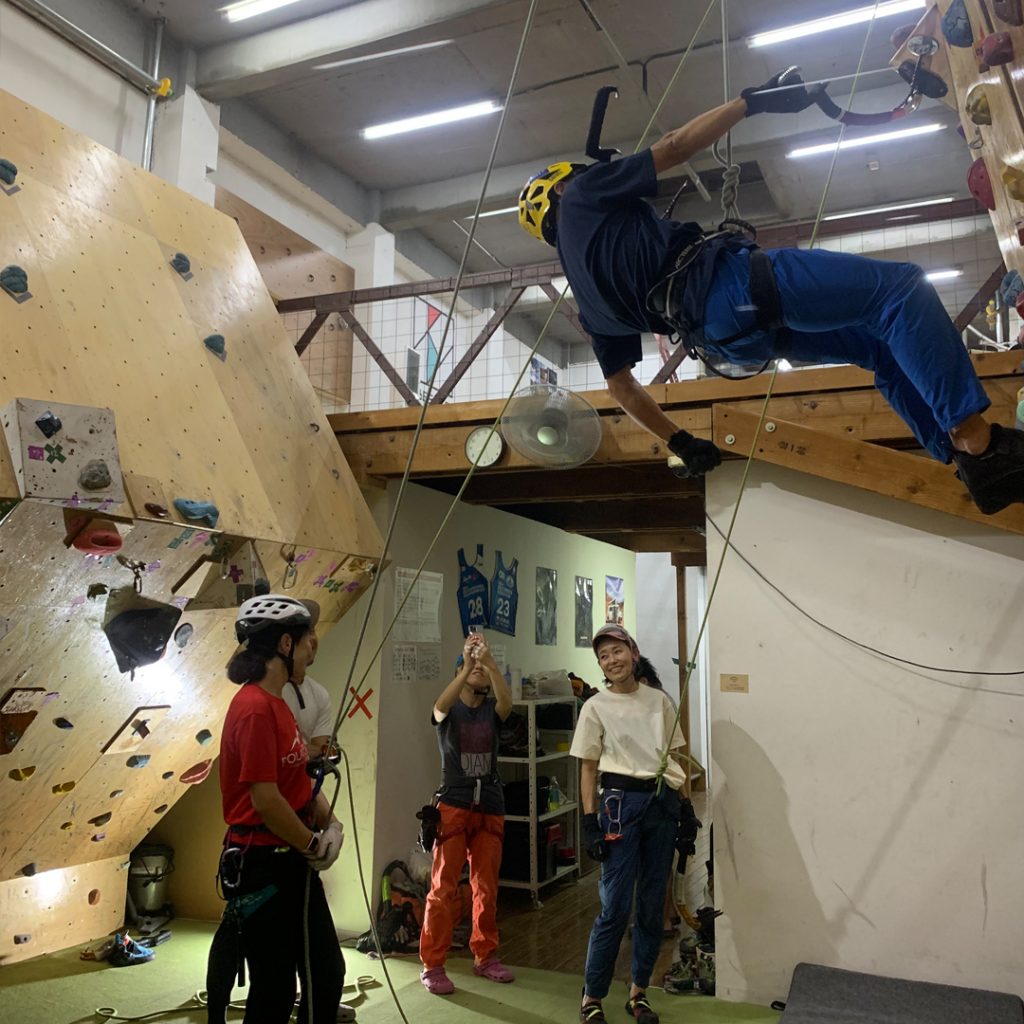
{"x": 568, "y": 780}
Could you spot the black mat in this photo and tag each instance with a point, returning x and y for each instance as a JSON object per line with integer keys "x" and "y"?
{"x": 826, "y": 995}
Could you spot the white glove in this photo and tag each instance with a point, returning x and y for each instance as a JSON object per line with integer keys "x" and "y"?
{"x": 328, "y": 848}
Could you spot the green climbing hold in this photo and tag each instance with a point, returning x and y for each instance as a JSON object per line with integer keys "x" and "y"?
{"x": 14, "y": 279}
{"x": 8, "y": 172}
{"x": 215, "y": 343}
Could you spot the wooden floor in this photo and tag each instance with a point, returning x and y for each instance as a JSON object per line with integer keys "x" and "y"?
{"x": 554, "y": 938}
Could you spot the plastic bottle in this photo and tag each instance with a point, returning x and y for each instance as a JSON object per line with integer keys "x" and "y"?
{"x": 554, "y": 795}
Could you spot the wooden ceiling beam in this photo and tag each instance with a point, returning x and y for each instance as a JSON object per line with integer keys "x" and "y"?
{"x": 612, "y": 515}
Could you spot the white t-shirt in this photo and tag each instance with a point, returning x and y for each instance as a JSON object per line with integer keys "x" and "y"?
{"x": 315, "y": 719}
{"x": 626, "y": 733}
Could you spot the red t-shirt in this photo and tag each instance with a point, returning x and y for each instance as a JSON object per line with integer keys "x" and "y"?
{"x": 261, "y": 742}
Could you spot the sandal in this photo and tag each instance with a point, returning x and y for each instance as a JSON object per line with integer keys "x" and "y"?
{"x": 436, "y": 982}
{"x": 592, "y": 1013}
{"x": 639, "y": 1008}
{"x": 494, "y": 970}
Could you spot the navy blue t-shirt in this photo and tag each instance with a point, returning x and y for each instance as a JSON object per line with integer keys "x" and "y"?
{"x": 614, "y": 248}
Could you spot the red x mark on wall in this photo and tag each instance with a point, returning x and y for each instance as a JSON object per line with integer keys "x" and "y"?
{"x": 360, "y": 702}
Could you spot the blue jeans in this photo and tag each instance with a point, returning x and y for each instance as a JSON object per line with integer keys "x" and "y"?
{"x": 641, "y": 858}
{"x": 881, "y": 316}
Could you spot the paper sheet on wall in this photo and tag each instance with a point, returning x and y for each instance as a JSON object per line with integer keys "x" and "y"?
{"x": 419, "y": 619}
{"x": 413, "y": 663}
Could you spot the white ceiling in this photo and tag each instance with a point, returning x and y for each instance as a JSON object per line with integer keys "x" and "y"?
{"x": 428, "y": 178}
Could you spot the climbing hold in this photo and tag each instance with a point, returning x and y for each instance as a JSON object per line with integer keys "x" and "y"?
{"x": 48, "y": 424}
{"x": 183, "y": 634}
{"x": 99, "y": 837}
{"x": 901, "y": 35}
{"x": 14, "y": 279}
{"x": 62, "y": 787}
{"x": 137, "y": 628}
{"x": 181, "y": 263}
{"x": 96, "y": 590}
{"x": 138, "y": 760}
{"x": 67, "y": 826}
{"x": 20, "y": 940}
{"x": 261, "y": 586}
{"x": 215, "y": 343}
{"x": 160, "y": 809}
{"x": 994, "y": 50}
{"x": 94, "y": 536}
{"x": 198, "y": 511}
{"x": 1010, "y": 287}
{"x": 977, "y": 106}
{"x": 94, "y": 897}
{"x": 115, "y": 793}
{"x": 21, "y": 774}
{"x": 197, "y": 773}
{"x": 203, "y": 737}
{"x": 63, "y": 723}
{"x": 956, "y": 25}
{"x": 29, "y": 870}
{"x": 980, "y": 184}
{"x": 1006, "y": 10}
{"x": 160, "y": 511}
{"x": 101, "y": 819}
{"x": 8, "y": 172}
{"x": 167, "y": 775}
{"x": 95, "y": 475}
{"x": 1013, "y": 179}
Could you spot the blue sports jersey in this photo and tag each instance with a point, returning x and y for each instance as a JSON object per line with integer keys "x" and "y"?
{"x": 614, "y": 248}
{"x": 472, "y": 593}
{"x": 504, "y": 595}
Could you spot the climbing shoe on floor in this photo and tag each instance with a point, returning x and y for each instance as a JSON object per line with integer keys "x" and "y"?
{"x": 639, "y": 1009}
{"x": 995, "y": 478}
{"x": 592, "y": 1013}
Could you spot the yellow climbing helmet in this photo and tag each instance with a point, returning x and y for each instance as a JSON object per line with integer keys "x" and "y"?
{"x": 538, "y": 201}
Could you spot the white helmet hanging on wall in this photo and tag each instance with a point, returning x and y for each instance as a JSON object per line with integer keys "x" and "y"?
{"x": 266, "y": 610}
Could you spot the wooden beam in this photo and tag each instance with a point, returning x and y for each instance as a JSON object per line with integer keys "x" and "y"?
{"x": 495, "y": 321}
{"x": 916, "y": 479}
{"x": 514, "y": 277}
{"x": 585, "y": 483}
{"x": 378, "y": 357}
{"x": 670, "y": 542}
{"x": 310, "y": 333}
{"x": 614, "y": 515}
{"x": 681, "y": 644}
{"x": 980, "y": 298}
{"x": 566, "y": 307}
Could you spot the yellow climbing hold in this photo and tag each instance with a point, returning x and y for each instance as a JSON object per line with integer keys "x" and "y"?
{"x": 21, "y": 774}
{"x": 164, "y": 89}
{"x": 1013, "y": 179}
{"x": 977, "y": 105}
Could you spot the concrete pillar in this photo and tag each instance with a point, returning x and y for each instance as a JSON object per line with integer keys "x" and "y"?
{"x": 186, "y": 143}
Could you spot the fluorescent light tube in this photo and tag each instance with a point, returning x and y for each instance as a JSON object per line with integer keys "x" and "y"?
{"x": 856, "y": 16}
{"x": 942, "y": 275}
{"x": 383, "y": 53}
{"x": 889, "y": 209}
{"x": 413, "y": 124}
{"x": 251, "y": 8}
{"x": 495, "y": 213}
{"x": 864, "y": 140}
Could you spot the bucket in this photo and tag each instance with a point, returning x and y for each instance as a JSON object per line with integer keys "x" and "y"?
{"x": 148, "y": 869}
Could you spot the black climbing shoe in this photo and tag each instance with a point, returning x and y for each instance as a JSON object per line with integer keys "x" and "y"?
{"x": 995, "y": 478}
{"x": 592, "y": 1013}
{"x": 639, "y": 1009}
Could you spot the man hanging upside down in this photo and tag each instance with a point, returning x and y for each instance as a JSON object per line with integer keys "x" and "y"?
{"x": 631, "y": 272}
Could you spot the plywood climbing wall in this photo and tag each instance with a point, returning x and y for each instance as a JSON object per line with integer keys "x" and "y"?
{"x": 89, "y": 757}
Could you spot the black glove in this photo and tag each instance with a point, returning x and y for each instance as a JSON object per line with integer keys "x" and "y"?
{"x": 593, "y": 838}
{"x": 686, "y": 833}
{"x": 699, "y": 456}
{"x": 430, "y": 818}
{"x": 774, "y": 98}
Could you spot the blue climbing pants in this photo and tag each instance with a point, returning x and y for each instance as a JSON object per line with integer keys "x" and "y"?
{"x": 881, "y": 316}
{"x": 642, "y": 859}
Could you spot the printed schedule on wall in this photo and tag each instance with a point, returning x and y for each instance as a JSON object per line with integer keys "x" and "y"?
{"x": 418, "y": 620}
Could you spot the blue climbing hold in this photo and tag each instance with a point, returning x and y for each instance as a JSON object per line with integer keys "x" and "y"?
{"x": 181, "y": 263}
{"x": 138, "y": 761}
{"x": 215, "y": 343}
{"x": 14, "y": 279}
{"x": 8, "y": 172}
{"x": 198, "y": 511}
{"x": 956, "y": 25}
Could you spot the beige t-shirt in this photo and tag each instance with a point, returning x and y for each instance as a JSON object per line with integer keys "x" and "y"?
{"x": 627, "y": 733}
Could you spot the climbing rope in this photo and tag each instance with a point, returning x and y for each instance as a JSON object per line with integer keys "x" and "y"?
{"x": 731, "y": 172}
{"x": 691, "y": 662}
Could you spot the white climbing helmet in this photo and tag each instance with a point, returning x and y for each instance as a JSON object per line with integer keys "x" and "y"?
{"x": 265, "y": 610}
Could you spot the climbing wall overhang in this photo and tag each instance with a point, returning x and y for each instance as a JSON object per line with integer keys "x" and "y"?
{"x": 105, "y": 332}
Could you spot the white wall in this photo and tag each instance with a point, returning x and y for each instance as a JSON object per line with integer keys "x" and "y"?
{"x": 408, "y": 760}
{"x": 867, "y": 813}
{"x": 40, "y": 68}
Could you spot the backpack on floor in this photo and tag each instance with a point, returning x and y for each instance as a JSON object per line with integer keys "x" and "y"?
{"x": 399, "y": 913}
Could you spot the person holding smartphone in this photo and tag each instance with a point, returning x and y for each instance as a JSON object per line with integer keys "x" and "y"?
{"x": 471, "y": 804}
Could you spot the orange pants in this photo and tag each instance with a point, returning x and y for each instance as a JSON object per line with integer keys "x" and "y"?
{"x": 463, "y": 833}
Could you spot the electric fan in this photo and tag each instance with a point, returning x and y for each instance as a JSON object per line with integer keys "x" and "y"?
{"x": 550, "y": 426}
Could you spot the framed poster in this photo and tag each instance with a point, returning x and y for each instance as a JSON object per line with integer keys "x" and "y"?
{"x": 614, "y": 600}
{"x": 584, "y": 590}
{"x": 546, "y": 630}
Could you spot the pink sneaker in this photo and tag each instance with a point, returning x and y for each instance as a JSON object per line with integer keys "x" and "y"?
{"x": 436, "y": 982}
{"x": 495, "y": 970}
